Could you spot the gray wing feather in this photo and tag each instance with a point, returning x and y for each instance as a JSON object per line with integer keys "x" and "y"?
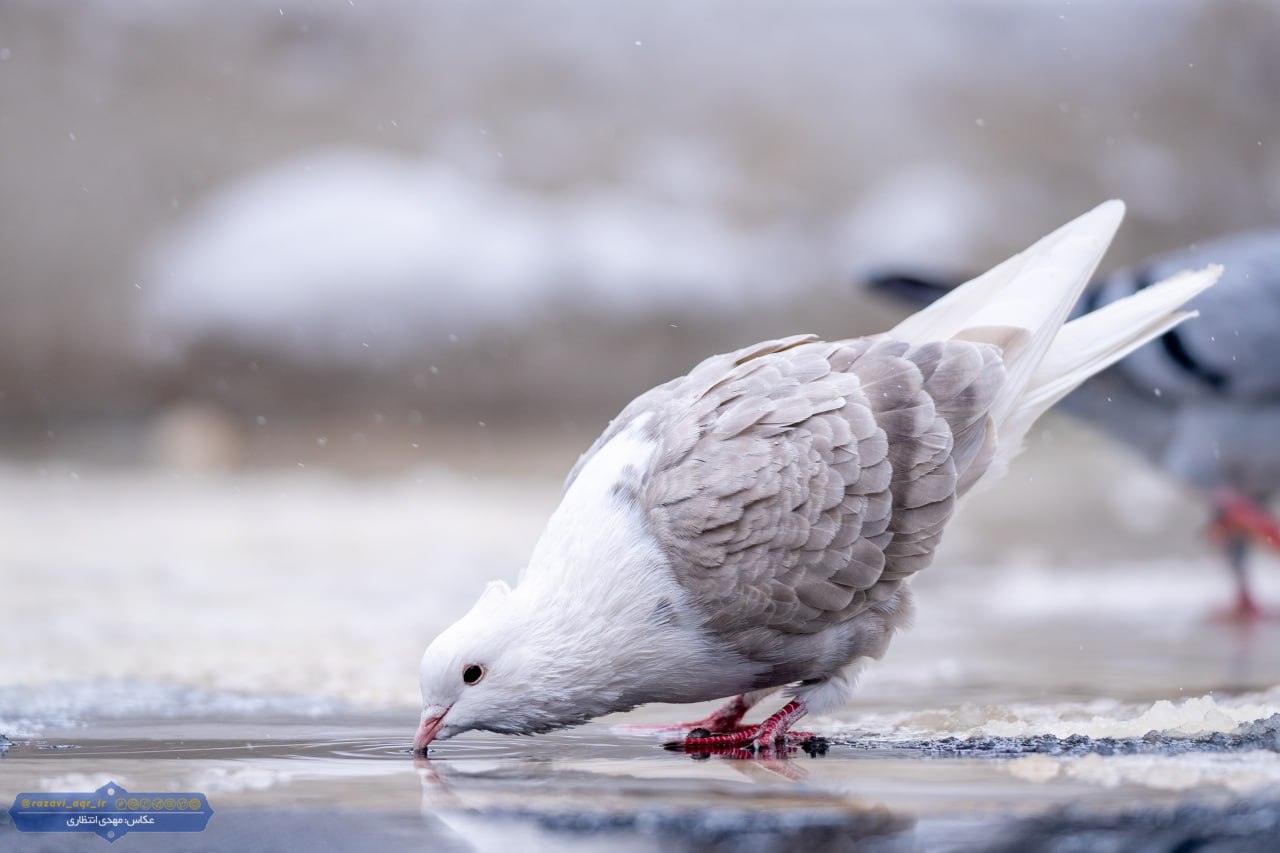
{"x": 800, "y": 482}
{"x": 714, "y": 371}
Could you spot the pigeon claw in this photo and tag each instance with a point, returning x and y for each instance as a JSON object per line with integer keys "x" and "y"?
{"x": 744, "y": 745}
{"x": 769, "y": 737}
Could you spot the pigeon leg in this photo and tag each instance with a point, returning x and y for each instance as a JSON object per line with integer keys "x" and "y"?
{"x": 725, "y": 719}
{"x": 764, "y": 736}
{"x": 1239, "y": 516}
{"x": 1246, "y": 607}
{"x": 1238, "y": 523}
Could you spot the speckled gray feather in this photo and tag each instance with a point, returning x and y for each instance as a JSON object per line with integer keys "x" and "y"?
{"x": 799, "y": 482}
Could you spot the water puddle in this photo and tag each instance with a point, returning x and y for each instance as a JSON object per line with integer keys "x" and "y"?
{"x": 353, "y": 780}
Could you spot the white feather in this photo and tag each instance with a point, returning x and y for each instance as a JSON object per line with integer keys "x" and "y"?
{"x": 598, "y": 565}
{"x": 1099, "y": 339}
{"x": 1034, "y": 291}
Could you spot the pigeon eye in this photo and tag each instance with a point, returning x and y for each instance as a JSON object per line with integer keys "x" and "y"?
{"x": 472, "y": 673}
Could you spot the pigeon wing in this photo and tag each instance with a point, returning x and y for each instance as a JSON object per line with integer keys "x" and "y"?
{"x": 798, "y": 482}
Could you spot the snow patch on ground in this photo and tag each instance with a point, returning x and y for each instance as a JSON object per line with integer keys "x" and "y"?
{"x": 1099, "y": 718}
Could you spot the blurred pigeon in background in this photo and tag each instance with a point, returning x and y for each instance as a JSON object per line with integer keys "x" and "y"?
{"x": 1203, "y": 401}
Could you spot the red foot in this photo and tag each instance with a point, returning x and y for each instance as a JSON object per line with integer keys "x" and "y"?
{"x": 782, "y": 747}
{"x": 1245, "y": 612}
{"x": 1239, "y": 516}
{"x": 771, "y": 735}
{"x": 1238, "y": 523}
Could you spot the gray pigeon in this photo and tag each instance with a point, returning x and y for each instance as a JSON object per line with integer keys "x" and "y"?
{"x": 1202, "y": 401}
{"x": 755, "y": 523}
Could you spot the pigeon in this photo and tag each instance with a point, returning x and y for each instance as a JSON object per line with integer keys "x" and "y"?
{"x": 754, "y": 525}
{"x": 1202, "y": 402}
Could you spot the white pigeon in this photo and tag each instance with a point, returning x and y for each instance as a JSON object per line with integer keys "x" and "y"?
{"x": 754, "y": 524}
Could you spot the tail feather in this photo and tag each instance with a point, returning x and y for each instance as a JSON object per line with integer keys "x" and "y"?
{"x": 1022, "y": 306}
{"x": 1034, "y": 290}
{"x": 1093, "y": 343}
{"x": 1099, "y": 339}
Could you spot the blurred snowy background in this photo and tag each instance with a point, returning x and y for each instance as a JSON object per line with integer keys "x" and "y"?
{"x": 248, "y": 249}
{"x": 420, "y": 215}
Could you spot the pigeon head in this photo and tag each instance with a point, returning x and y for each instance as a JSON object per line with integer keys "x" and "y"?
{"x": 470, "y": 675}
{"x": 507, "y": 667}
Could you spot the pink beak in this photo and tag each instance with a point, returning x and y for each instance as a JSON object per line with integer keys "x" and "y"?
{"x": 427, "y": 729}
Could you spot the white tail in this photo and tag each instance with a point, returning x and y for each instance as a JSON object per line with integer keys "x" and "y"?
{"x": 1024, "y": 302}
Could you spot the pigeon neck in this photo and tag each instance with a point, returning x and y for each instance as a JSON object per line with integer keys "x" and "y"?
{"x": 599, "y": 606}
